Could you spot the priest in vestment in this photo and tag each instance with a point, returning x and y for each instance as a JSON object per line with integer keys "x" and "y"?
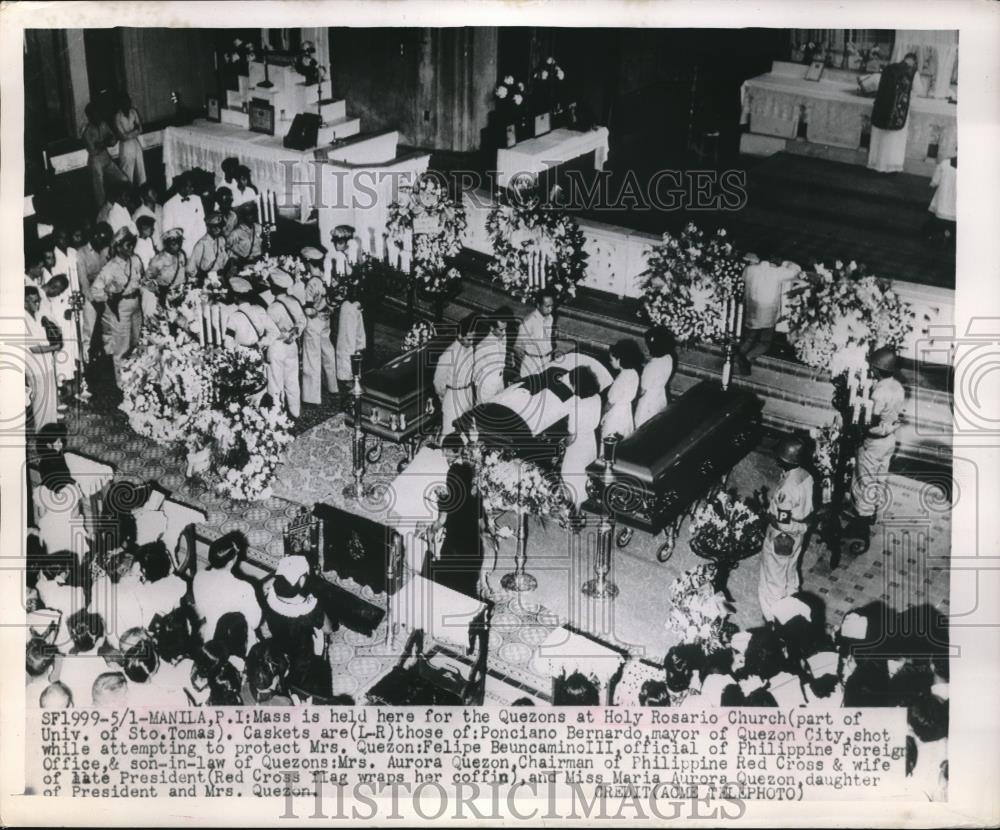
{"x": 890, "y": 116}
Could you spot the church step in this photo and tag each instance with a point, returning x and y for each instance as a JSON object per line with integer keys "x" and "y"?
{"x": 338, "y": 129}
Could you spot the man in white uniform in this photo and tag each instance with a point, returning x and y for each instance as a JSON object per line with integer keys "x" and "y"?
{"x": 248, "y": 324}
{"x": 184, "y": 210}
{"x": 534, "y": 337}
{"x": 351, "y": 338}
{"x": 289, "y": 316}
{"x": 319, "y": 358}
{"x": 871, "y": 465}
{"x": 789, "y": 513}
{"x": 491, "y": 356}
{"x": 453, "y": 377}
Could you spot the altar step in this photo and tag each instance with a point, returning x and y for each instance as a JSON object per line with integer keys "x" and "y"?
{"x": 336, "y": 129}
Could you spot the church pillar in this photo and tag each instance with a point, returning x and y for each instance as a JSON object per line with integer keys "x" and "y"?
{"x": 79, "y": 82}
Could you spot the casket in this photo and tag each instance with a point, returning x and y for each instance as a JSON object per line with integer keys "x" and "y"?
{"x": 673, "y": 459}
{"x": 398, "y": 403}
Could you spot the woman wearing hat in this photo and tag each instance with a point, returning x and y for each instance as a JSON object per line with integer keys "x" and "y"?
{"x": 299, "y": 626}
{"x": 789, "y": 513}
{"x": 116, "y": 291}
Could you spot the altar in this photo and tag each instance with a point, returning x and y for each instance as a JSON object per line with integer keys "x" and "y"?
{"x": 554, "y": 148}
{"x": 273, "y": 166}
{"x": 834, "y": 112}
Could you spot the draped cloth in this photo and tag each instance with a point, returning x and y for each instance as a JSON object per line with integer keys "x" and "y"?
{"x": 937, "y": 55}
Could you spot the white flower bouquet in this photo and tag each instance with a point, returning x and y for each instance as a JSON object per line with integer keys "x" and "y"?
{"x": 509, "y": 93}
{"x": 249, "y": 443}
{"x": 843, "y": 314}
{"x": 699, "y": 613}
{"x": 689, "y": 279}
{"x": 420, "y": 333}
{"x": 728, "y": 528}
{"x": 165, "y": 383}
{"x": 510, "y": 484}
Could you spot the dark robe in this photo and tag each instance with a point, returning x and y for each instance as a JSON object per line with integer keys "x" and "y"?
{"x": 892, "y": 101}
{"x": 461, "y": 555}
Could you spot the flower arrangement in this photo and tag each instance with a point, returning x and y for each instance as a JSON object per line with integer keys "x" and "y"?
{"x": 435, "y": 222}
{"x": 728, "y": 528}
{"x": 520, "y": 227}
{"x": 688, "y": 280}
{"x": 420, "y": 333}
{"x": 237, "y": 373}
{"x": 165, "y": 383}
{"x": 843, "y": 314}
{"x": 507, "y": 484}
{"x": 509, "y": 93}
{"x": 306, "y": 64}
{"x": 247, "y": 445}
{"x": 256, "y": 272}
{"x": 698, "y": 613}
{"x": 241, "y": 53}
{"x": 548, "y": 85}
{"x": 826, "y": 442}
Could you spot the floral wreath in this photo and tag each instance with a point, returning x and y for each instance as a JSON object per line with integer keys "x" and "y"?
{"x": 247, "y": 444}
{"x": 428, "y": 200}
{"x": 519, "y": 225}
{"x": 836, "y": 320}
{"x": 689, "y": 279}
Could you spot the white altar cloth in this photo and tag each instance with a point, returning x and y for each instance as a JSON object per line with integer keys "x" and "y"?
{"x": 538, "y": 154}
{"x": 274, "y": 167}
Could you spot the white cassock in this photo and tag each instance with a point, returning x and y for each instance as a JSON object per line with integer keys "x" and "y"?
{"x": 350, "y": 337}
{"x": 188, "y": 214}
{"x": 66, "y": 264}
{"x": 39, "y": 372}
{"x": 453, "y": 383}
{"x": 584, "y": 419}
{"x": 491, "y": 358}
{"x": 791, "y": 506}
{"x": 618, "y": 419}
{"x": 56, "y": 309}
{"x": 534, "y": 340}
{"x": 653, "y": 388}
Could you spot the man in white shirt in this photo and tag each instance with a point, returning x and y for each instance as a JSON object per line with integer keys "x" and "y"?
{"x": 453, "y": 377}
{"x": 114, "y": 211}
{"x": 534, "y": 336}
{"x": 184, "y": 210}
{"x": 764, "y": 283}
{"x": 219, "y": 589}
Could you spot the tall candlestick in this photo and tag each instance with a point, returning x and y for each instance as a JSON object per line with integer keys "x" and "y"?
{"x": 739, "y": 317}
{"x": 201, "y": 324}
{"x": 274, "y": 207}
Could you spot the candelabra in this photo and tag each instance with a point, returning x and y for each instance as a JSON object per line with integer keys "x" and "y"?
{"x": 734, "y": 323}
{"x": 519, "y": 580}
{"x": 266, "y": 83}
{"x": 355, "y": 490}
{"x": 855, "y": 414}
{"x": 600, "y": 587}
{"x": 76, "y": 305}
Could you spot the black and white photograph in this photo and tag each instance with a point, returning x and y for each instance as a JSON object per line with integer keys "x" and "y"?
{"x": 436, "y": 377}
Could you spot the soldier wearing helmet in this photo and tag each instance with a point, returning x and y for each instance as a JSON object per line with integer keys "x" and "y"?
{"x": 789, "y": 514}
{"x": 871, "y": 465}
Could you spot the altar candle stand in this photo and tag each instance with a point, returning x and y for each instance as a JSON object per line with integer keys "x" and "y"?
{"x": 856, "y": 414}
{"x": 520, "y": 580}
{"x": 733, "y": 315}
{"x": 76, "y": 300}
{"x": 600, "y": 587}
{"x": 355, "y": 490}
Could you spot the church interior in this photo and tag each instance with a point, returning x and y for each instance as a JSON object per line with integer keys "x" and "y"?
{"x": 615, "y": 143}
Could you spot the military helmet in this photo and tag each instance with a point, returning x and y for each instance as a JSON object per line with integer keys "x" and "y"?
{"x": 883, "y": 359}
{"x": 791, "y": 450}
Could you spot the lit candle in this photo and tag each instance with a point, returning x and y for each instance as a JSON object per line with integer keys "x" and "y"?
{"x": 866, "y": 410}
{"x": 260, "y": 208}
{"x": 217, "y": 323}
{"x": 739, "y": 316}
{"x": 274, "y": 207}
{"x": 855, "y": 411}
{"x": 201, "y": 323}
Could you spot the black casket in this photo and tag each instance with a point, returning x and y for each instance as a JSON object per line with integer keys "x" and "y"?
{"x": 398, "y": 403}
{"x": 676, "y": 457}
